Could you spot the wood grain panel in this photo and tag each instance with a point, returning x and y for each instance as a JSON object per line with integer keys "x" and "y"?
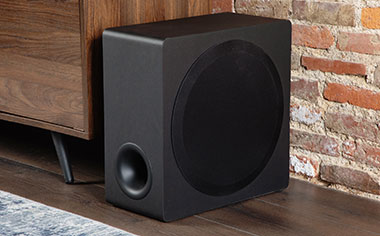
{"x": 36, "y": 14}
{"x": 42, "y": 29}
{"x": 41, "y": 102}
{"x": 96, "y": 15}
{"x": 28, "y": 69}
{"x": 52, "y": 49}
{"x": 176, "y": 9}
{"x": 62, "y": 47}
{"x": 197, "y": 8}
{"x": 44, "y": 125}
{"x": 40, "y": 64}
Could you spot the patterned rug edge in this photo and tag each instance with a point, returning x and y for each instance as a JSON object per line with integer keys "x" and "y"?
{"x": 21, "y": 216}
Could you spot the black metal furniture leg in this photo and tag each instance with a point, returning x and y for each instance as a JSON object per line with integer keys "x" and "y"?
{"x": 62, "y": 153}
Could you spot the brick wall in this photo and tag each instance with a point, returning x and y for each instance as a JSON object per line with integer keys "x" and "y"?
{"x": 335, "y": 103}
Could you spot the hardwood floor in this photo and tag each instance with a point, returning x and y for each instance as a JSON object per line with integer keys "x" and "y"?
{"x": 29, "y": 168}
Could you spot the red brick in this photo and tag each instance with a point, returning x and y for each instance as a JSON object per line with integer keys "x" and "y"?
{"x": 371, "y": 18}
{"x": 303, "y": 165}
{"x": 219, "y": 6}
{"x": 324, "y": 12}
{"x": 304, "y": 89}
{"x": 314, "y": 142}
{"x": 334, "y": 66}
{"x": 304, "y": 114}
{"x": 376, "y": 75}
{"x": 352, "y": 126}
{"x": 349, "y": 177}
{"x": 352, "y": 95}
{"x": 276, "y": 9}
{"x": 368, "y": 154}
{"x": 359, "y": 42}
{"x": 363, "y": 153}
{"x": 312, "y": 36}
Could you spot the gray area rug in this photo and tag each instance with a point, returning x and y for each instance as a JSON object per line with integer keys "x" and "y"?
{"x": 23, "y": 217}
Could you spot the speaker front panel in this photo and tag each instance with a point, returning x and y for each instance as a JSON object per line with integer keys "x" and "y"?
{"x": 227, "y": 117}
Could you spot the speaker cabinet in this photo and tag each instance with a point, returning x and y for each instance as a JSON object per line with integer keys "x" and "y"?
{"x": 196, "y": 113}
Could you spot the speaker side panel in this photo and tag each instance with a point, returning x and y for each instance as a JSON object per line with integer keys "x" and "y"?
{"x": 181, "y": 199}
{"x": 133, "y": 111}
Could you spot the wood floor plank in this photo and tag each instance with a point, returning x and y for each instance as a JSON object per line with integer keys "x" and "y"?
{"x": 261, "y": 218}
{"x": 88, "y": 200}
{"x": 338, "y": 207}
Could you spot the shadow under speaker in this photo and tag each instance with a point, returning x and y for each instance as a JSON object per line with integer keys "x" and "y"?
{"x": 196, "y": 113}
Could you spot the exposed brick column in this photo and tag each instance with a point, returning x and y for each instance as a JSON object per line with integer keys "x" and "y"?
{"x": 335, "y": 89}
{"x": 219, "y": 6}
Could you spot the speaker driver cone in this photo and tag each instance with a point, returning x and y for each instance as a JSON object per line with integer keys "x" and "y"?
{"x": 133, "y": 172}
{"x": 227, "y": 117}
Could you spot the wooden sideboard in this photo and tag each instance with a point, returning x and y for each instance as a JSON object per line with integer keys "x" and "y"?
{"x": 51, "y": 62}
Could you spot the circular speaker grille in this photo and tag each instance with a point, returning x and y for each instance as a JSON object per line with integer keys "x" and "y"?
{"x": 227, "y": 117}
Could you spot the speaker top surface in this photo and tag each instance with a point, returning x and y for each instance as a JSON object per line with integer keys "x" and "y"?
{"x": 194, "y": 25}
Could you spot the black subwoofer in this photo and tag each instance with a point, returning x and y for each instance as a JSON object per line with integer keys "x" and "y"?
{"x": 196, "y": 113}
